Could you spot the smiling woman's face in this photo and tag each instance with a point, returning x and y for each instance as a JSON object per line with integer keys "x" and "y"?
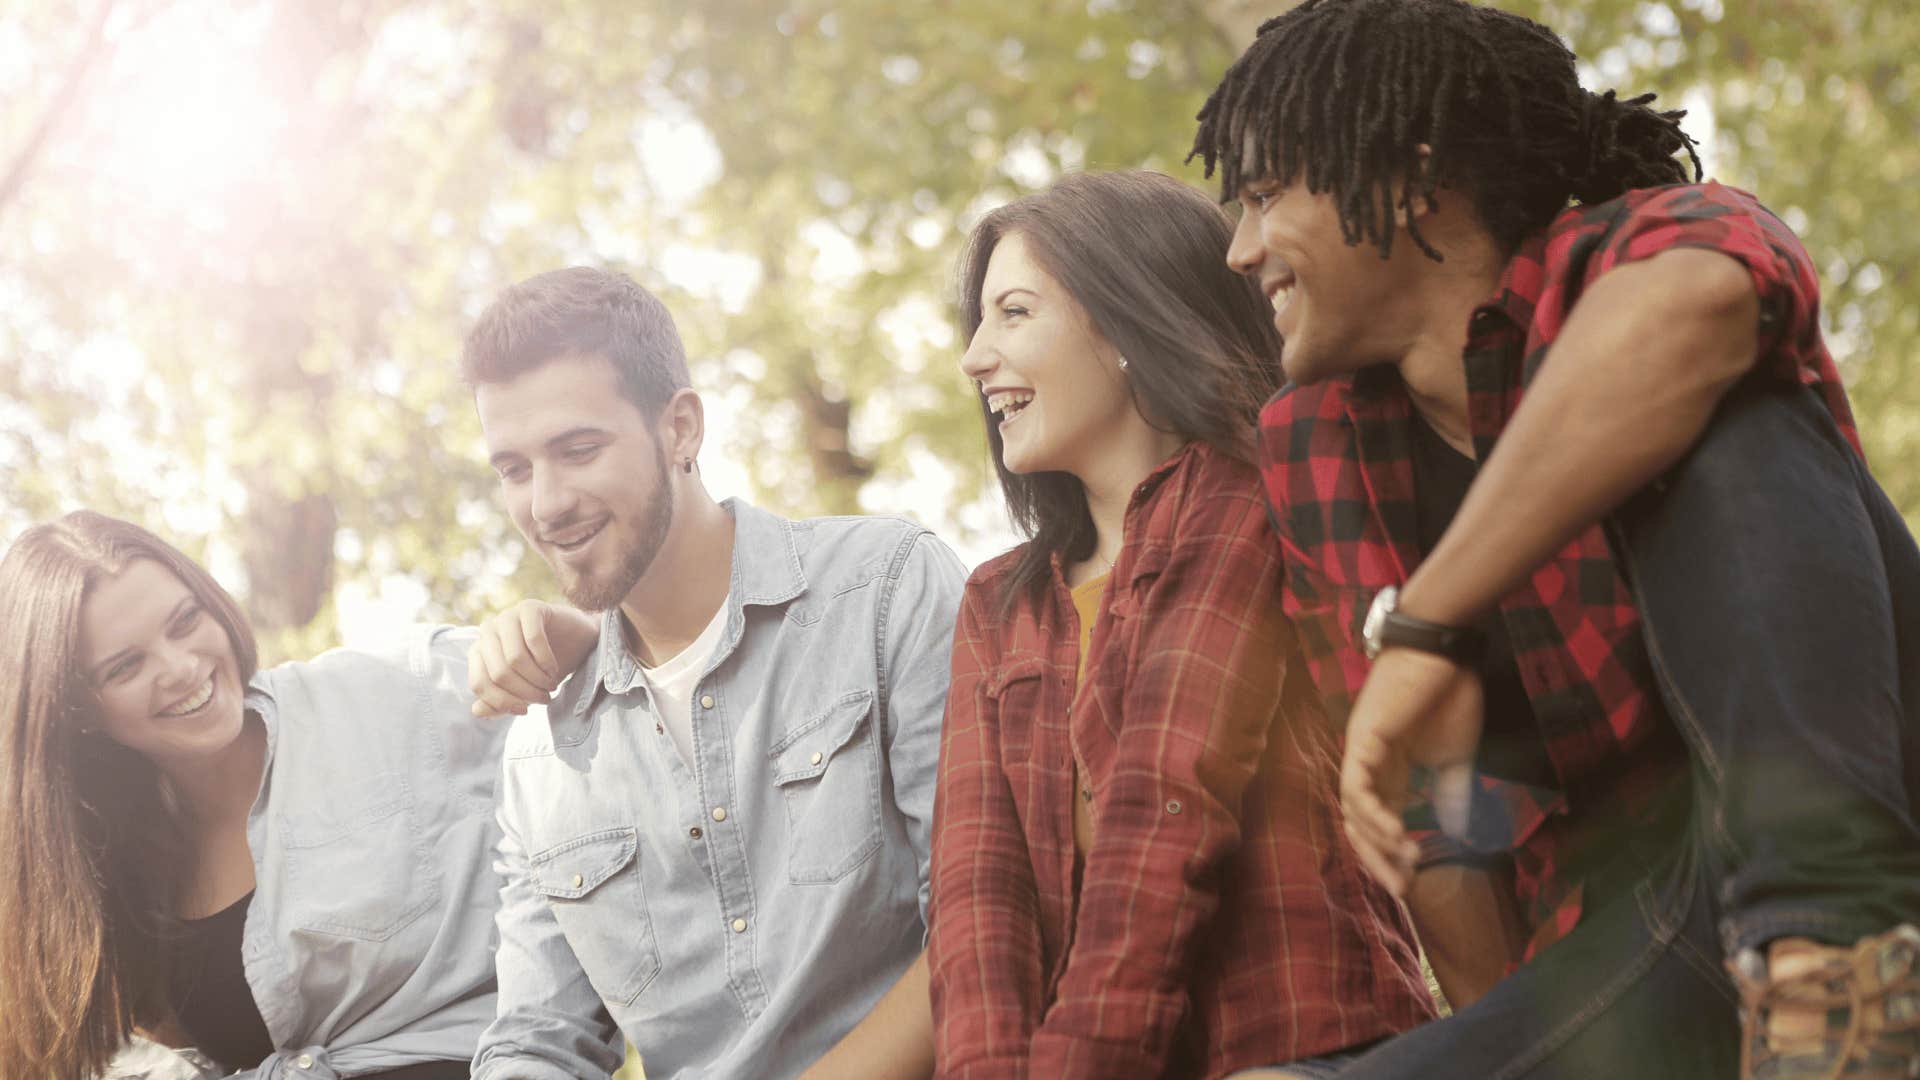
{"x": 1053, "y": 383}
{"x": 162, "y": 669}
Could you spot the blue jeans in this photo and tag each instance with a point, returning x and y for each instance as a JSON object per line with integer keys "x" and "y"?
{"x": 1780, "y": 597}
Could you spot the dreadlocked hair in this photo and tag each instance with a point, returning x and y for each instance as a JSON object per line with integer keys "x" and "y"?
{"x": 1345, "y": 92}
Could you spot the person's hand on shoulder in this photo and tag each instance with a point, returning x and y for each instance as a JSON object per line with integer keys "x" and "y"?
{"x": 524, "y": 653}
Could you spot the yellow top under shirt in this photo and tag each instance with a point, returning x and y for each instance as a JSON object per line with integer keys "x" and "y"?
{"x": 1086, "y": 602}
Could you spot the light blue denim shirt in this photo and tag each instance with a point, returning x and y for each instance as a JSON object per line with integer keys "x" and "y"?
{"x": 733, "y": 917}
{"x": 368, "y": 941}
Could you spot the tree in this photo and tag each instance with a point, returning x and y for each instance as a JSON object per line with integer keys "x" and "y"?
{"x": 242, "y": 329}
{"x": 1813, "y": 108}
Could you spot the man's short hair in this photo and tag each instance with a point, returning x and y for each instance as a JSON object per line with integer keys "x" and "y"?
{"x": 580, "y": 312}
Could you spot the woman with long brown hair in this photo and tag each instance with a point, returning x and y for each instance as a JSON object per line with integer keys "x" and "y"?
{"x": 286, "y": 869}
{"x": 1138, "y": 869}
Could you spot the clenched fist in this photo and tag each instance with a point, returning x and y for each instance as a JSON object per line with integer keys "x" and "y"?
{"x": 524, "y": 653}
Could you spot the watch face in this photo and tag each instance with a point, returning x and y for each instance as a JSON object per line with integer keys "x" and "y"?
{"x": 1370, "y": 630}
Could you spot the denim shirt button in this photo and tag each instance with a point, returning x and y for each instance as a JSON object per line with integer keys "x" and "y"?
{"x": 815, "y": 759}
{"x": 578, "y": 881}
{"x": 694, "y": 832}
{"x": 706, "y": 701}
{"x": 305, "y": 1061}
{"x": 719, "y": 813}
{"x": 739, "y": 926}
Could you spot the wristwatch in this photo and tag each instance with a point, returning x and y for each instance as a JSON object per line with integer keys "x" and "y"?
{"x": 1386, "y": 625}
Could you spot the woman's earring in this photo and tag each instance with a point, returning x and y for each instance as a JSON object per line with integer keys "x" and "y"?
{"x": 1123, "y": 363}
{"x": 686, "y": 466}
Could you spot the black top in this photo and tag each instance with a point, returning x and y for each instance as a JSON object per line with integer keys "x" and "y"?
{"x": 208, "y": 990}
{"x": 214, "y": 1005}
{"x": 1510, "y": 747}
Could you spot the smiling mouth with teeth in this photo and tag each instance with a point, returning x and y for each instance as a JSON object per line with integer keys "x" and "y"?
{"x": 1007, "y": 404}
{"x": 192, "y": 704}
{"x": 577, "y": 542}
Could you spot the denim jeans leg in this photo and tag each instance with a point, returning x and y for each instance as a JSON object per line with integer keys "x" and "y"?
{"x": 1636, "y": 990}
{"x": 1766, "y": 567}
{"x": 1902, "y": 558}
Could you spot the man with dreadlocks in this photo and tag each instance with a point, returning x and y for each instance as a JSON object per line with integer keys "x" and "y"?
{"x": 1579, "y": 534}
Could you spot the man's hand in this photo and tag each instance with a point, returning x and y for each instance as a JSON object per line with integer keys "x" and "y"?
{"x": 1415, "y": 709}
{"x": 524, "y": 653}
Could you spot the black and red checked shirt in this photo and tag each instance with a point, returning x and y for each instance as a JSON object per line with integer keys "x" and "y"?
{"x": 1336, "y": 461}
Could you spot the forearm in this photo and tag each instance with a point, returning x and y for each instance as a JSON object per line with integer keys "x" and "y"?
{"x": 1628, "y": 388}
{"x": 1469, "y": 927}
{"x": 986, "y": 983}
{"x": 894, "y": 1041}
{"x": 1195, "y": 722}
{"x": 550, "y": 1020}
{"x": 984, "y": 950}
{"x": 1120, "y": 1001}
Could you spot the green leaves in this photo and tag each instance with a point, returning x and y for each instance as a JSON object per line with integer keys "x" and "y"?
{"x": 1813, "y": 108}
{"x": 209, "y": 343}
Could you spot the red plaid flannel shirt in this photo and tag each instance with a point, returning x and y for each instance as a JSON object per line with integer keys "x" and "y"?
{"x": 1222, "y": 921}
{"x": 1336, "y": 461}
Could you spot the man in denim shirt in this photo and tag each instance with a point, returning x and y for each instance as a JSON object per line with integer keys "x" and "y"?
{"x": 716, "y": 837}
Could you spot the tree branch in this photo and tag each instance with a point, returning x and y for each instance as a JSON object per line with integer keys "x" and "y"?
{"x": 95, "y": 47}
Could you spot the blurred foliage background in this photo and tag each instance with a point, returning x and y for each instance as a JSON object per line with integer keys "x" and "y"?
{"x": 240, "y": 240}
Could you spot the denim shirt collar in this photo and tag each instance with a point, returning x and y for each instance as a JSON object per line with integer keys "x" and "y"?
{"x": 766, "y": 572}
{"x": 259, "y": 701}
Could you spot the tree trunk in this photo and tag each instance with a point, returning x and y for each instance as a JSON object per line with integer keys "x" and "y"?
{"x": 838, "y": 472}
{"x": 92, "y": 50}
{"x": 287, "y": 551}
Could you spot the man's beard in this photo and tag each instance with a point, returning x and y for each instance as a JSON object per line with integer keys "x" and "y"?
{"x": 590, "y": 594}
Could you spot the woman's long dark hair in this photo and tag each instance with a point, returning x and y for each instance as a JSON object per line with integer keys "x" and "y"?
{"x": 92, "y": 842}
{"x": 1144, "y": 256}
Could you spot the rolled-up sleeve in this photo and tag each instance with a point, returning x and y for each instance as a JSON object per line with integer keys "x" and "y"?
{"x": 1714, "y": 217}
{"x": 984, "y": 949}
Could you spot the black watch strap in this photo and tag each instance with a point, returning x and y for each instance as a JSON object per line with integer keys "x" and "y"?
{"x": 1464, "y": 645}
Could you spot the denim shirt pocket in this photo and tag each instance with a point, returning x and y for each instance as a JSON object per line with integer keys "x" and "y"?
{"x": 357, "y": 865}
{"x": 829, "y": 779}
{"x": 592, "y": 883}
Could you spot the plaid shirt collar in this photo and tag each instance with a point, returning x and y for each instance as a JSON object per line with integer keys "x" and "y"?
{"x": 1380, "y": 411}
{"x": 1193, "y": 454}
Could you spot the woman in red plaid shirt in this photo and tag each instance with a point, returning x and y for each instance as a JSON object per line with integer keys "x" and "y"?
{"x": 1138, "y": 866}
